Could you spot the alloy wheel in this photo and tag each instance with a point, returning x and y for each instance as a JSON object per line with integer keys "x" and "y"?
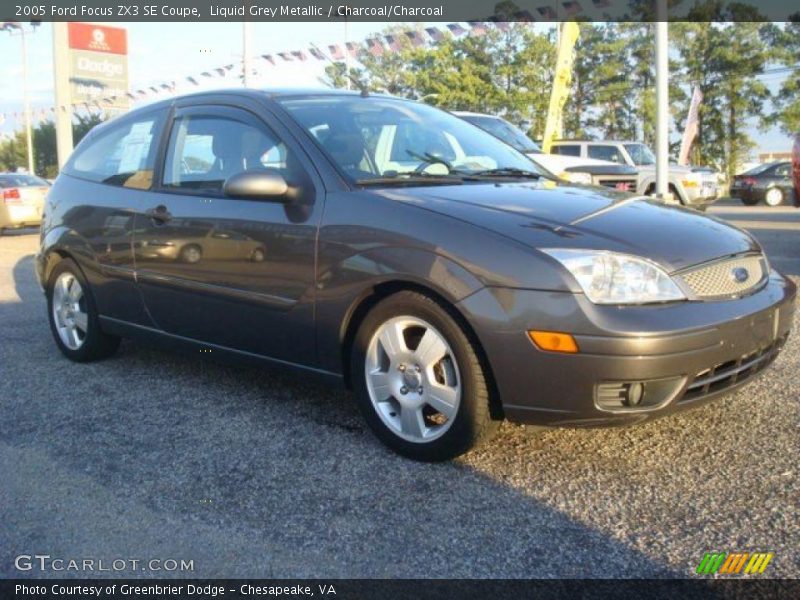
{"x": 412, "y": 379}
{"x": 69, "y": 311}
{"x": 774, "y": 197}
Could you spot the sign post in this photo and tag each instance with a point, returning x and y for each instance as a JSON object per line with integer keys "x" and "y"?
{"x": 91, "y": 68}
{"x": 63, "y": 107}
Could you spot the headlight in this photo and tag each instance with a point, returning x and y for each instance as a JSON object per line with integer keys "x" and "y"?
{"x": 613, "y": 278}
{"x": 577, "y": 177}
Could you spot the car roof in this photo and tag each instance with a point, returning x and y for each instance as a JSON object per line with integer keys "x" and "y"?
{"x": 596, "y": 142}
{"x": 466, "y": 113}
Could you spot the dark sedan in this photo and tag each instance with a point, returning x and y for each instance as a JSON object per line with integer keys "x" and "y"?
{"x": 409, "y": 256}
{"x": 770, "y": 183}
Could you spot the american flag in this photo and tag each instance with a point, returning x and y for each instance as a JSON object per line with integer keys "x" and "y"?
{"x": 415, "y": 38}
{"x": 268, "y": 58}
{"x": 456, "y": 29}
{"x": 478, "y": 28}
{"x": 315, "y": 52}
{"x": 353, "y": 49}
{"x": 375, "y": 47}
{"x": 336, "y": 52}
{"x": 434, "y": 33}
{"x": 393, "y": 42}
{"x": 285, "y": 56}
{"x": 299, "y": 54}
{"x": 692, "y": 124}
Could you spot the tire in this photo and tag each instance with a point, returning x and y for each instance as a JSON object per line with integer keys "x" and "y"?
{"x": 258, "y": 255}
{"x": 749, "y": 201}
{"x": 191, "y": 254}
{"x": 88, "y": 342}
{"x": 426, "y": 434}
{"x": 774, "y": 197}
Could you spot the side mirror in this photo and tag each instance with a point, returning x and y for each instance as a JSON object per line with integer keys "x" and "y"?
{"x": 257, "y": 185}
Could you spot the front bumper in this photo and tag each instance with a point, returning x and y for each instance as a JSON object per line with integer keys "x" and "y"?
{"x": 702, "y": 349}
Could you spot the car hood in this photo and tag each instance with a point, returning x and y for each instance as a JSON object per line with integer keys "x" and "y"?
{"x": 566, "y": 162}
{"x": 543, "y": 214}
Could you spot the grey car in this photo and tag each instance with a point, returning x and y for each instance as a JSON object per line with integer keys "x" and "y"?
{"x": 409, "y": 256}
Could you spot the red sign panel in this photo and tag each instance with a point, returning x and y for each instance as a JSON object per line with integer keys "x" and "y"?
{"x": 99, "y": 38}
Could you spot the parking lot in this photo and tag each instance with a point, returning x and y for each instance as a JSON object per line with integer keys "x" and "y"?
{"x": 249, "y": 473}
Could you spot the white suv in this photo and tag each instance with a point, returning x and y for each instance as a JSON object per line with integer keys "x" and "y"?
{"x": 576, "y": 170}
{"x": 689, "y": 187}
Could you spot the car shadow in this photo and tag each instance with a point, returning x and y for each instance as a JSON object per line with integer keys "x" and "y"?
{"x": 265, "y": 463}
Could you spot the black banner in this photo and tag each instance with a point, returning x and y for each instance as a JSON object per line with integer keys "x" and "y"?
{"x": 345, "y": 589}
{"x": 403, "y": 11}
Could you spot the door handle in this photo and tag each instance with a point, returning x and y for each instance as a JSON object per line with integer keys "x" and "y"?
{"x": 159, "y": 214}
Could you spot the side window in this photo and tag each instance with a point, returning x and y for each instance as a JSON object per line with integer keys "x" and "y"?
{"x": 782, "y": 171}
{"x": 205, "y": 150}
{"x": 610, "y": 153}
{"x": 122, "y": 155}
{"x": 566, "y": 150}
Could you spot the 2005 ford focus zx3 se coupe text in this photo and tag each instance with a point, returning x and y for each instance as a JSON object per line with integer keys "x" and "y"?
{"x": 398, "y": 250}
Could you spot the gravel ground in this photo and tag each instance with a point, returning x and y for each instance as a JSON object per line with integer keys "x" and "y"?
{"x": 150, "y": 455}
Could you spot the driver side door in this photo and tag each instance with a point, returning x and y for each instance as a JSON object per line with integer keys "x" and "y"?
{"x": 237, "y": 273}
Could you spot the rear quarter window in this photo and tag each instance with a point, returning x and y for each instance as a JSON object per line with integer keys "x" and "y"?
{"x": 122, "y": 154}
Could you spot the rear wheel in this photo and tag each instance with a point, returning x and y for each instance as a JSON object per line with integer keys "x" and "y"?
{"x": 258, "y": 255}
{"x": 418, "y": 380}
{"x": 774, "y": 197}
{"x": 191, "y": 254}
{"x": 73, "y": 316}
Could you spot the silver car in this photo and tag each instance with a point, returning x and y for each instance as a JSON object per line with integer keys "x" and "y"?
{"x": 687, "y": 186}
{"x": 23, "y": 200}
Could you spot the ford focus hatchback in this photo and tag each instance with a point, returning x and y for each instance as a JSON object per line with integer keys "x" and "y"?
{"x": 395, "y": 249}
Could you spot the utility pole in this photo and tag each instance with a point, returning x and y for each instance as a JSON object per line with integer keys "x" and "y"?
{"x": 247, "y": 57}
{"x": 10, "y": 27}
{"x": 63, "y": 95}
{"x": 662, "y": 100}
{"x": 346, "y": 55}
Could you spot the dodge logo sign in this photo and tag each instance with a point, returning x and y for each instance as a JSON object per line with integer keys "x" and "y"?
{"x": 740, "y": 274}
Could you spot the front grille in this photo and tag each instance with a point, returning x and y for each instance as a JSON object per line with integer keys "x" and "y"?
{"x": 719, "y": 280}
{"x": 616, "y": 183}
{"x": 732, "y": 372}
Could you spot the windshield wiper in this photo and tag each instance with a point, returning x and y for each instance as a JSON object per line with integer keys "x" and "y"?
{"x": 505, "y": 172}
{"x": 410, "y": 179}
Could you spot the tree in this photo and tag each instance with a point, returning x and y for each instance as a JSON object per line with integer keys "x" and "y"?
{"x": 787, "y": 101}
{"x": 725, "y": 60}
{"x": 13, "y": 152}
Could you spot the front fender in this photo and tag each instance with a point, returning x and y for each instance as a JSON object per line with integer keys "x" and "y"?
{"x": 343, "y": 286}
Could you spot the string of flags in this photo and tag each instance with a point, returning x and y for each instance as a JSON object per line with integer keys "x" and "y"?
{"x": 376, "y": 46}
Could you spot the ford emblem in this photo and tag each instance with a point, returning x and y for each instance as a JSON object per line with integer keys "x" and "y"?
{"x": 740, "y": 274}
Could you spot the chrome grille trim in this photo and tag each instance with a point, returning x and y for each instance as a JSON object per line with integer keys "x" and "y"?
{"x": 716, "y": 280}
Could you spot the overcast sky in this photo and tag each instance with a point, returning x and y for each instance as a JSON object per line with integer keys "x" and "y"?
{"x": 165, "y": 52}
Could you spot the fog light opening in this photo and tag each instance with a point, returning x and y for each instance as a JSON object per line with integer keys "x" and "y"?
{"x": 634, "y": 394}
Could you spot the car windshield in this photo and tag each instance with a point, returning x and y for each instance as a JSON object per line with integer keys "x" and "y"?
{"x": 21, "y": 180}
{"x": 379, "y": 140}
{"x": 640, "y": 154}
{"x": 505, "y": 131}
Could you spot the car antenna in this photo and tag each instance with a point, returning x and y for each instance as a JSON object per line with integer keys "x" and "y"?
{"x": 361, "y": 86}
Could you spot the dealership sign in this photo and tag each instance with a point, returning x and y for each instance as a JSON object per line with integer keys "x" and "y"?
{"x": 98, "y": 65}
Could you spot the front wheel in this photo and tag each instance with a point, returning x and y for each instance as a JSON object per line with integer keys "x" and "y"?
{"x": 418, "y": 380}
{"x": 73, "y": 316}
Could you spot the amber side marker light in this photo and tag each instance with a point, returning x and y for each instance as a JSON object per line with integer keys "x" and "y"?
{"x": 553, "y": 341}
